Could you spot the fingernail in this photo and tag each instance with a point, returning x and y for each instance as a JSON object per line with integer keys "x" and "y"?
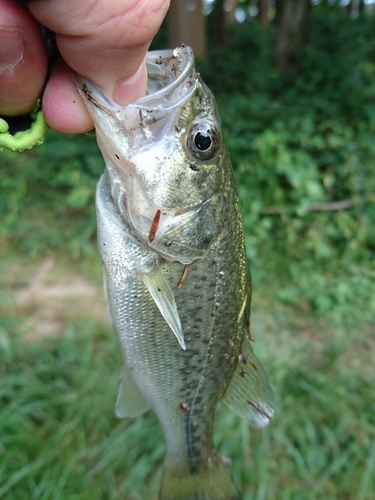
{"x": 12, "y": 43}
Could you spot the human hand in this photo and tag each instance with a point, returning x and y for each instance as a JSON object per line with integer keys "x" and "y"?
{"x": 103, "y": 40}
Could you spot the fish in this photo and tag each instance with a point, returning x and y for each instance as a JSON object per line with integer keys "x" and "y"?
{"x": 176, "y": 278}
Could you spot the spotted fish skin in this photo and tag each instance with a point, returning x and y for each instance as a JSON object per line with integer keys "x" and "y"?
{"x": 176, "y": 277}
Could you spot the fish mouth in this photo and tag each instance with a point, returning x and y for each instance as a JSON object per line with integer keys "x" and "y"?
{"x": 166, "y": 70}
{"x": 171, "y": 78}
{"x": 171, "y": 81}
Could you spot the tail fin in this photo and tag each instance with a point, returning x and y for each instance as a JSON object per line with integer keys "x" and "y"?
{"x": 211, "y": 482}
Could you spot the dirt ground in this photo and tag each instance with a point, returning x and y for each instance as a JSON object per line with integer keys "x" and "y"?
{"x": 47, "y": 297}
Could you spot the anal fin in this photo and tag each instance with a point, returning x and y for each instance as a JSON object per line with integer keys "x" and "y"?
{"x": 249, "y": 393}
{"x": 164, "y": 299}
{"x": 130, "y": 402}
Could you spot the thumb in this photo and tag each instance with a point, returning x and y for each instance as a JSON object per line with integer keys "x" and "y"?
{"x": 103, "y": 40}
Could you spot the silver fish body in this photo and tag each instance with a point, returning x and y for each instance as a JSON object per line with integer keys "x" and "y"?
{"x": 176, "y": 278}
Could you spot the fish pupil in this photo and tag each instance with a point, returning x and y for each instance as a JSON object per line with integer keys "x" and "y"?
{"x": 202, "y": 141}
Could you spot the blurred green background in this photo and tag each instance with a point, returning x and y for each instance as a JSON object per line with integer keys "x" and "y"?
{"x": 302, "y": 142}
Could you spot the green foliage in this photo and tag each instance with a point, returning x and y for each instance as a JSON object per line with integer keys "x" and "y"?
{"x": 47, "y": 195}
{"x": 59, "y": 437}
{"x": 300, "y": 142}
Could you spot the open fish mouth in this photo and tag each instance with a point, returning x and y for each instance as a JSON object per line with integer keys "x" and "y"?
{"x": 171, "y": 82}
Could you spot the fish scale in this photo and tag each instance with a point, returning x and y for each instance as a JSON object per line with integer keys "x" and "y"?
{"x": 176, "y": 278}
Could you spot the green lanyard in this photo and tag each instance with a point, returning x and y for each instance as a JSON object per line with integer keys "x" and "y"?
{"x": 18, "y": 140}
{"x": 26, "y": 131}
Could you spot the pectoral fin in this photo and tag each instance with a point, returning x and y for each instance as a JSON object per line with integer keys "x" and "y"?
{"x": 164, "y": 299}
{"x": 249, "y": 393}
{"x": 130, "y": 402}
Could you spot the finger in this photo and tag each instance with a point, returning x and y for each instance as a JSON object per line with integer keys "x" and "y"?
{"x": 105, "y": 41}
{"x": 63, "y": 107}
{"x": 23, "y": 60}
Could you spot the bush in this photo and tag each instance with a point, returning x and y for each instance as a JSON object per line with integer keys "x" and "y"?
{"x": 300, "y": 142}
{"x": 48, "y": 194}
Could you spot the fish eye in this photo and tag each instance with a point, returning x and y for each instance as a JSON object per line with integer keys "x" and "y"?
{"x": 204, "y": 141}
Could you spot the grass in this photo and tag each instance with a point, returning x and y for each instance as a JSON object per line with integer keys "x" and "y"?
{"x": 59, "y": 438}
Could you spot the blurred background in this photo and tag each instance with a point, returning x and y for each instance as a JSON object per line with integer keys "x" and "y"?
{"x": 295, "y": 85}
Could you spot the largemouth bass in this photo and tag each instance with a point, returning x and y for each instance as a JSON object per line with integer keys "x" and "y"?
{"x": 176, "y": 278}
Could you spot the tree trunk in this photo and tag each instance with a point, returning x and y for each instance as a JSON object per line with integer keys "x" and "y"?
{"x": 291, "y": 19}
{"x": 219, "y": 18}
{"x": 356, "y": 7}
{"x": 263, "y": 12}
{"x": 187, "y": 25}
{"x": 279, "y": 5}
{"x": 230, "y": 7}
